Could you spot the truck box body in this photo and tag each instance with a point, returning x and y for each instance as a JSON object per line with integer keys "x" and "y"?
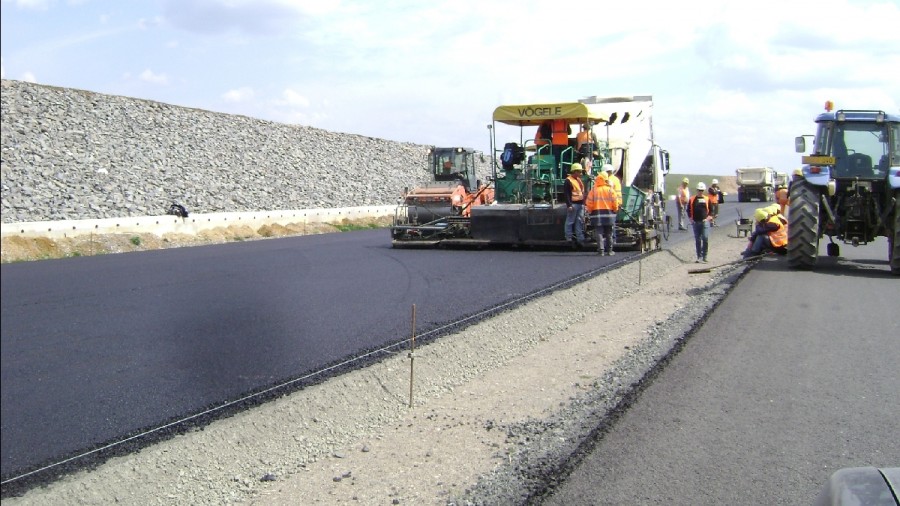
{"x": 756, "y": 183}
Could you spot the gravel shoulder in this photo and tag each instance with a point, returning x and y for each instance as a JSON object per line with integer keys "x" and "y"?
{"x": 499, "y": 409}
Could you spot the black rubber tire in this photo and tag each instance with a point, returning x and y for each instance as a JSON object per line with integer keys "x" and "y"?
{"x": 894, "y": 239}
{"x": 803, "y": 229}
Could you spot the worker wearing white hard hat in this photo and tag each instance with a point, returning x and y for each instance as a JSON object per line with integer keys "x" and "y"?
{"x": 698, "y": 212}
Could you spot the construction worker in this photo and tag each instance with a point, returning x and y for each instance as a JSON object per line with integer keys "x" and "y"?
{"x": 574, "y": 195}
{"x": 602, "y": 207}
{"x": 698, "y": 212}
{"x": 459, "y": 201}
{"x": 781, "y": 198}
{"x": 682, "y": 196}
{"x": 770, "y": 233}
{"x": 560, "y": 142}
{"x": 614, "y": 182}
{"x": 585, "y": 143}
{"x": 544, "y": 133}
{"x": 713, "y": 193}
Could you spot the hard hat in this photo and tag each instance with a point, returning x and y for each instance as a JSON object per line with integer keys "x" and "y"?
{"x": 608, "y": 167}
{"x": 701, "y": 186}
{"x": 685, "y": 180}
{"x": 773, "y": 209}
{"x": 761, "y": 214}
{"x": 603, "y": 176}
{"x": 715, "y": 181}
{"x": 798, "y": 172}
{"x": 576, "y": 167}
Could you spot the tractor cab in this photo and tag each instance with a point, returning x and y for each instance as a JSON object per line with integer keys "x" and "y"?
{"x": 454, "y": 165}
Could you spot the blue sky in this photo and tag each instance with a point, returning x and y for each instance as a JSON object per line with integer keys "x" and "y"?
{"x": 733, "y": 83}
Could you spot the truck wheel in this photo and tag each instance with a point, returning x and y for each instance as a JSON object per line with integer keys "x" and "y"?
{"x": 803, "y": 229}
{"x": 894, "y": 239}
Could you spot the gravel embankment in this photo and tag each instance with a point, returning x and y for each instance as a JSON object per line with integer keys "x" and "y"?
{"x": 501, "y": 408}
{"x": 71, "y": 155}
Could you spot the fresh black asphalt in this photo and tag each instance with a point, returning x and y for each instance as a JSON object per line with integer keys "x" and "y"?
{"x": 98, "y": 348}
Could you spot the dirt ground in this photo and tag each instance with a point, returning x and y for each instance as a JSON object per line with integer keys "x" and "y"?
{"x": 23, "y": 249}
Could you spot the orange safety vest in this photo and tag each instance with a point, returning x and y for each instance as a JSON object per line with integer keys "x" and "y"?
{"x": 560, "y": 132}
{"x": 583, "y": 137}
{"x": 577, "y": 188}
{"x": 779, "y": 236}
{"x": 713, "y": 195}
{"x": 601, "y": 198}
{"x": 691, "y": 206}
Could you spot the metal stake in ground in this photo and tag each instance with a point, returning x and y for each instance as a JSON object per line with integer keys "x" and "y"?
{"x": 412, "y": 358}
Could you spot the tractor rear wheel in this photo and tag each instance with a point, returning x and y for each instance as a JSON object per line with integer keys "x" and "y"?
{"x": 803, "y": 229}
{"x": 894, "y": 239}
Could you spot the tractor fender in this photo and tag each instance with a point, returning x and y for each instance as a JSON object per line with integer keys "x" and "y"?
{"x": 820, "y": 179}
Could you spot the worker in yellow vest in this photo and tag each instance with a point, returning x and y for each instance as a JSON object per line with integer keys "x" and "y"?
{"x": 770, "y": 233}
{"x": 614, "y": 182}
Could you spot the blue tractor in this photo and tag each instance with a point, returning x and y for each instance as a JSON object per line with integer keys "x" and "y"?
{"x": 849, "y": 188}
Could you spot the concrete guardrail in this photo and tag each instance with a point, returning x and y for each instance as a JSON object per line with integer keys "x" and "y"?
{"x": 191, "y": 225}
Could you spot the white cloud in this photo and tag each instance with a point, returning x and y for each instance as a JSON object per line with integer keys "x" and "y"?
{"x": 150, "y": 77}
{"x": 238, "y": 95}
{"x": 292, "y": 98}
{"x": 33, "y": 4}
{"x": 28, "y": 77}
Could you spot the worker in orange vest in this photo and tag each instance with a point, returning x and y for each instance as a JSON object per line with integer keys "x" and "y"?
{"x": 713, "y": 193}
{"x": 459, "y": 201}
{"x": 560, "y": 141}
{"x": 781, "y": 198}
{"x": 544, "y": 133}
{"x": 698, "y": 212}
{"x": 770, "y": 233}
{"x": 585, "y": 144}
{"x": 602, "y": 206}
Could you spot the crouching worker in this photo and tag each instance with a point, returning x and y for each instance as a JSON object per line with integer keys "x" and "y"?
{"x": 602, "y": 206}
{"x": 770, "y": 234}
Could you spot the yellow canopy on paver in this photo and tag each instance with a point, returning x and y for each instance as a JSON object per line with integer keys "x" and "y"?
{"x": 535, "y": 114}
